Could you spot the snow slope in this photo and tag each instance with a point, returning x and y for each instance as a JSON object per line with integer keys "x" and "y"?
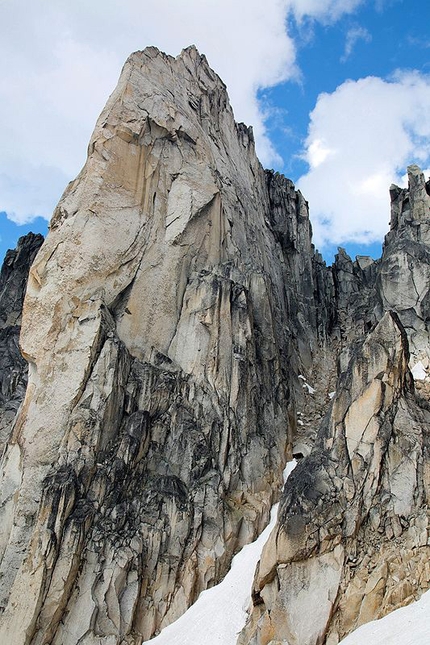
{"x": 220, "y": 612}
{"x": 406, "y": 626}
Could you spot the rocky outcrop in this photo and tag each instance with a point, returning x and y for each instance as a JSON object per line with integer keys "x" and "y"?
{"x": 164, "y": 325}
{"x": 13, "y": 368}
{"x": 404, "y": 276}
{"x": 182, "y": 337}
{"x": 352, "y": 539}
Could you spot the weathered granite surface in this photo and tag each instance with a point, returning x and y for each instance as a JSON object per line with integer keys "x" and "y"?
{"x": 164, "y": 325}
{"x": 352, "y": 541}
{"x": 184, "y": 339}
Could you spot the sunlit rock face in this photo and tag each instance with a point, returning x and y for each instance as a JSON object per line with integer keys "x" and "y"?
{"x": 166, "y": 317}
{"x": 183, "y": 340}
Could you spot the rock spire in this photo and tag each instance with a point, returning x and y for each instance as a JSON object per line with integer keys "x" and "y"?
{"x": 183, "y": 341}
{"x": 162, "y": 329}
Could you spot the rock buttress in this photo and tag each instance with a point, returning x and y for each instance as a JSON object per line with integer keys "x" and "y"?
{"x": 351, "y": 543}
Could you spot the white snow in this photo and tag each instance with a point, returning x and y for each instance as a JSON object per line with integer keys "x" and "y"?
{"x": 309, "y": 388}
{"x": 220, "y": 612}
{"x": 419, "y": 372}
{"x": 306, "y": 385}
{"x": 406, "y": 626}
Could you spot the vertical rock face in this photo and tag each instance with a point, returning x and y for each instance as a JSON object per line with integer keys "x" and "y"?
{"x": 404, "y": 277}
{"x": 13, "y": 368}
{"x": 164, "y": 324}
{"x": 182, "y": 338}
{"x": 352, "y": 539}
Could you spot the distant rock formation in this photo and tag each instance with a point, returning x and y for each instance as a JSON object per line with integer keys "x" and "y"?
{"x": 352, "y": 540}
{"x": 13, "y": 368}
{"x": 184, "y": 339}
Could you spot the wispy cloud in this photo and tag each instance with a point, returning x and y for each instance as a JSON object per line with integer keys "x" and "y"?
{"x": 382, "y": 5}
{"x": 419, "y": 41}
{"x": 353, "y": 35}
{"x": 323, "y": 10}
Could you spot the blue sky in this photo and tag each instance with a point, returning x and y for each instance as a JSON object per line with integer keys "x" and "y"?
{"x": 338, "y": 92}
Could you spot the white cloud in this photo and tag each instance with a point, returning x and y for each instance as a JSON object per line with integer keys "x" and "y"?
{"x": 353, "y": 35}
{"x": 318, "y": 152}
{"x": 59, "y": 66}
{"x": 324, "y": 10}
{"x": 60, "y": 60}
{"x": 376, "y": 128}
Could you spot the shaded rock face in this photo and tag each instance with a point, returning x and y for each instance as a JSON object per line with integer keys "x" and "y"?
{"x": 13, "y": 368}
{"x": 184, "y": 339}
{"x": 164, "y": 324}
{"x": 404, "y": 277}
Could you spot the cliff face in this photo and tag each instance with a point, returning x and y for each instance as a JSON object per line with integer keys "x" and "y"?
{"x": 164, "y": 326}
{"x": 351, "y": 542}
{"x": 175, "y": 319}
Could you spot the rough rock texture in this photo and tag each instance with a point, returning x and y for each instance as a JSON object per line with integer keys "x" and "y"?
{"x": 404, "y": 277}
{"x": 353, "y": 522}
{"x": 184, "y": 340}
{"x": 166, "y": 318}
{"x": 13, "y": 368}
{"x": 352, "y": 541}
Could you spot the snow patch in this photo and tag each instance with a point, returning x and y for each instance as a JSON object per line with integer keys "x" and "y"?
{"x": 405, "y": 625}
{"x": 419, "y": 372}
{"x": 220, "y": 613}
{"x": 306, "y": 385}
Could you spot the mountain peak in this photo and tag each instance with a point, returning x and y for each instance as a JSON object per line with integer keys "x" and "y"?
{"x": 184, "y": 341}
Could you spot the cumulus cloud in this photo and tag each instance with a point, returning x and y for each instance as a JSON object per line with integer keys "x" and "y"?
{"x": 60, "y": 60}
{"x": 360, "y": 140}
{"x": 353, "y": 35}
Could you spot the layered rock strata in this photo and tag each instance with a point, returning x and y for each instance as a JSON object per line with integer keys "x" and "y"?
{"x": 163, "y": 325}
